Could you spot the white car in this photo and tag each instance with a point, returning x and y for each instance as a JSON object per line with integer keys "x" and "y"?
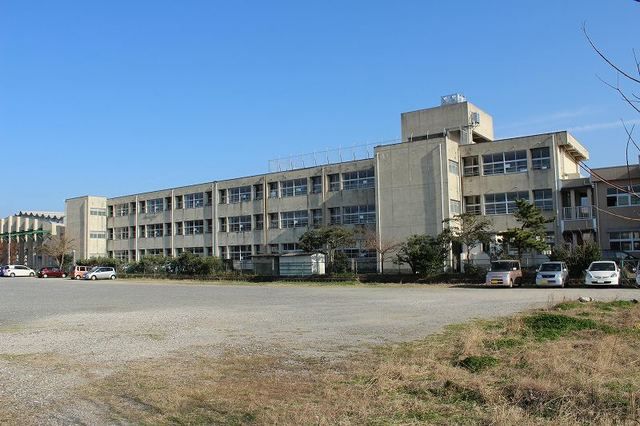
{"x": 602, "y": 272}
{"x": 17, "y": 271}
{"x": 100, "y": 273}
{"x": 552, "y": 274}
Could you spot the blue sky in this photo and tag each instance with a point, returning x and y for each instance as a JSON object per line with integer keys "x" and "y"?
{"x": 117, "y": 97}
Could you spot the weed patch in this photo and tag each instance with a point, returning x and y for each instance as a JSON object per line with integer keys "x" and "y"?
{"x": 476, "y": 364}
{"x": 552, "y": 326}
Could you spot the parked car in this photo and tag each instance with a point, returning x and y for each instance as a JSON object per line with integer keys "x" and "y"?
{"x": 77, "y": 272}
{"x": 2, "y": 270}
{"x": 17, "y": 271}
{"x": 51, "y": 271}
{"x": 100, "y": 273}
{"x": 552, "y": 274}
{"x": 504, "y": 273}
{"x": 602, "y": 272}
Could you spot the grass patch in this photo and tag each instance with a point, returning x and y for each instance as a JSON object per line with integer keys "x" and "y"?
{"x": 531, "y": 368}
{"x": 552, "y": 326}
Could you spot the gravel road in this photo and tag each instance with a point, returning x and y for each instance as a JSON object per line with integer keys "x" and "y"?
{"x": 57, "y": 334}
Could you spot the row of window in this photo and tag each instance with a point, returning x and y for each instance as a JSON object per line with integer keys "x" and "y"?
{"x": 234, "y": 252}
{"x": 625, "y": 241}
{"x": 505, "y": 203}
{"x": 360, "y": 179}
{"x": 619, "y": 198}
{"x": 157, "y": 205}
{"x": 504, "y": 162}
{"x": 347, "y": 215}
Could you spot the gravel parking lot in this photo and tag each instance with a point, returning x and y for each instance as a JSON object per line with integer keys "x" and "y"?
{"x": 56, "y": 335}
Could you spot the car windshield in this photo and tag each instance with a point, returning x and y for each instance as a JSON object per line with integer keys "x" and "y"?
{"x": 502, "y": 266}
{"x": 602, "y": 266}
{"x": 95, "y": 268}
{"x": 550, "y": 267}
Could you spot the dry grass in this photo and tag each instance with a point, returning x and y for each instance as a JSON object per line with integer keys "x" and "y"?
{"x": 582, "y": 372}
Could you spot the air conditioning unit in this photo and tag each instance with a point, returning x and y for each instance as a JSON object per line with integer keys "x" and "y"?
{"x": 475, "y": 118}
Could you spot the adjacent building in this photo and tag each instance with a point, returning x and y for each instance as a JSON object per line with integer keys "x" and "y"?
{"x": 22, "y": 235}
{"x": 447, "y": 162}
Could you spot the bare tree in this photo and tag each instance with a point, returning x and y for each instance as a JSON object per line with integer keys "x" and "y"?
{"x": 57, "y": 246}
{"x": 382, "y": 247}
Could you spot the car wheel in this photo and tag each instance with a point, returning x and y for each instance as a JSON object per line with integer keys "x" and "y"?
{"x": 77, "y": 277}
{"x": 64, "y": 275}
{"x": 112, "y": 277}
{"x": 32, "y": 274}
{"x": 44, "y": 275}
{"x": 93, "y": 277}
{"x": 12, "y": 275}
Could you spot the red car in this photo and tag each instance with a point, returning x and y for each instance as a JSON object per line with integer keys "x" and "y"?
{"x": 51, "y": 271}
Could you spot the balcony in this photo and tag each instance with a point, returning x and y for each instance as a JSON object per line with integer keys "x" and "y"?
{"x": 578, "y": 218}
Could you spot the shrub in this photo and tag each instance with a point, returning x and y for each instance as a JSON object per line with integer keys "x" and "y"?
{"x": 577, "y": 258}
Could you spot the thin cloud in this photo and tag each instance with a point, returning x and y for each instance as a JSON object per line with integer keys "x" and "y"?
{"x": 601, "y": 126}
{"x": 559, "y": 115}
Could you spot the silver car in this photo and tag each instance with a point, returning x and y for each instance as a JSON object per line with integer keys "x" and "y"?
{"x": 552, "y": 274}
{"x": 100, "y": 273}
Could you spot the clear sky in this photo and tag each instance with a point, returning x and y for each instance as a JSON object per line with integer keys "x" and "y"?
{"x": 121, "y": 96}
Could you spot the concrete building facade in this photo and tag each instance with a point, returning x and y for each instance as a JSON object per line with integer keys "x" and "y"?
{"x": 22, "y": 236}
{"x": 447, "y": 162}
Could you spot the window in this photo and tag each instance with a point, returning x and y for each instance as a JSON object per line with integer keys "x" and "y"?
{"x": 240, "y": 223}
{"x": 470, "y": 166}
{"x": 543, "y": 199}
{"x": 290, "y": 247}
{"x": 624, "y": 241}
{"x": 155, "y": 252}
{"x": 472, "y": 204}
{"x": 540, "y": 158}
{"x": 454, "y": 167}
{"x": 121, "y": 255}
{"x": 316, "y": 217}
{"x": 155, "y": 230}
{"x": 192, "y": 201}
{"x": 132, "y": 207}
{"x": 193, "y": 227}
{"x": 358, "y": 214}
{"x": 274, "y": 248}
{"x": 335, "y": 216}
{"x": 258, "y": 191}
{"x": 296, "y": 219}
{"x": 122, "y": 233}
{"x": 239, "y": 194}
{"x": 110, "y": 211}
{"x": 178, "y": 201}
{"x": 132, "y": 232}
{"x": 167, "y": 202}
{"x": 257, "y": 248}
{"x": 179, "y": 228}
{"x": 239, "y": 252}
{"x": 505, "y": 163}
{"x": 223, "y": 224}
{"x": 316, "y": 184}
{"x": 98, "y": 235}
{"x": 122, "y": 209}
{"x": 167, "y": 229}
{"x": 274, "y": 222}
{"x": 504, "y": 203}
{"x": 273, "y": 189}
{"x": 454, "y": 207}
{"x": 110, "y": 233}
{"x": 358, "y": 180}
{"x": 334, "y": 182}
{"x": 293, "y": 187}
{"x": 259, "y": 221}
{"x": 208, "y": 198}
{"x": 155, "y": 206}
{"x": 209, "y": 229}
{"x": 141, "y": 232}
{"x": 619, "y": 198}
{"x": 198, "y": 251}
{"x": 222, "y": 196}
{"x": 142, "y": 207}
{"x": 223, "y": 252}
{"x": 97, "y": 212}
